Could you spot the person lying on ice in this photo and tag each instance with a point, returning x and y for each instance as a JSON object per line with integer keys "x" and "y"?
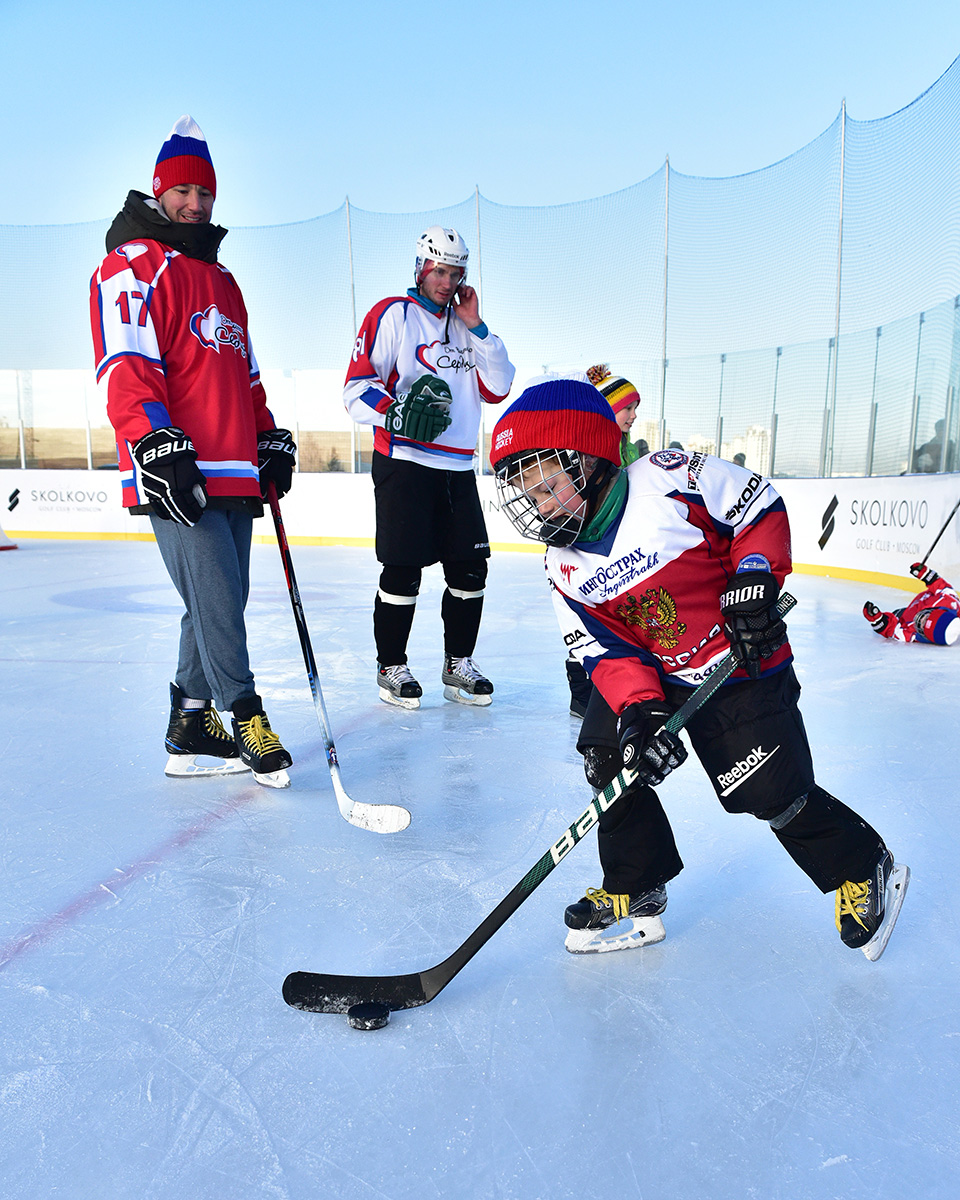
{"x": 933, "y": 615}
{"x": 658, "y": 570}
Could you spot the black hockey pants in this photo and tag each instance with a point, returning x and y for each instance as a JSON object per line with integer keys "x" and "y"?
{"x": 750, "y": 739}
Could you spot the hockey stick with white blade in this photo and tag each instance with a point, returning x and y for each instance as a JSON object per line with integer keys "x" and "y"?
{"x": 313, "y": 992}
{"x": 378, "y": 818}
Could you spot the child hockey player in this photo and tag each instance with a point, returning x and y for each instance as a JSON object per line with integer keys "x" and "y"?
{"x": 933, "y": 615}
{"x": 658, "y": 570}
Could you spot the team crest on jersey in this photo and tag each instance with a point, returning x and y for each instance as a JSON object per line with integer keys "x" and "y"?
{"x": 449, "y": 358}
{"x": 655, "y": 612}
{"x": 213, "y": 330}
{"x": 567, "y": 570}
{"x": 131, "y": 250}
{"x": 668, "y": 459}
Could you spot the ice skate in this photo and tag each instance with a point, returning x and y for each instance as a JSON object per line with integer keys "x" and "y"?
{"x": 464, "y": 683}
{"x": 261, "y": 750}
{"x": 868, "y": 911}
{"x": 398, "y": 686}
{"x": 601, "y": 921}
{"x": 194, "y": 733}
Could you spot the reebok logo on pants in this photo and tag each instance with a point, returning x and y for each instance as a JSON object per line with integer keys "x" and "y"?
{"x": 744, "y": 768}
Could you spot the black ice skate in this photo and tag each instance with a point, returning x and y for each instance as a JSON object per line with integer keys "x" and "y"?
{"x": 261, "y": 750}
{"x": 398, "y": 686}
{"x": 601, "y": 921}
{"x": 193, "y": 733}
{"x": 868, "y": 911}
{"x": 464, "y": 683}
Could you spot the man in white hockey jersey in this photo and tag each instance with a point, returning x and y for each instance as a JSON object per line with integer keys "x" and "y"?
{"x": 422, "y": 366}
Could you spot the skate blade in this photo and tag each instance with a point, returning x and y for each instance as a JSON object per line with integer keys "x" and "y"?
{"x": 272, "y": 779}
{"x": 459, "y": 697}
{"x": 896, "y": 890}
{"x": 399, "y": 701}
{"x": 623, "y": 935}
{"x": 185, "y": 766}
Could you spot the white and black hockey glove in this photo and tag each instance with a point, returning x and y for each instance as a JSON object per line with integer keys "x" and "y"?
{"x": 751, "y": 622}
{"x": 645, "y": 747}
{"x": 172, "y": 481}
{"x": 276, "y": 458}
{"x": 423, "y": 413}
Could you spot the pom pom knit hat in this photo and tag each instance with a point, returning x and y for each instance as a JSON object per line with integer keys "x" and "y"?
{"x": 560, "y": 414}
{"x": 617, "y": 391}
{"x": 184, "y": 158}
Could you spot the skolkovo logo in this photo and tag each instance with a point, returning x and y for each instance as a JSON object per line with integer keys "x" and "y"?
{"x": 827, "y": 522}
{"x": 13, "y": 500}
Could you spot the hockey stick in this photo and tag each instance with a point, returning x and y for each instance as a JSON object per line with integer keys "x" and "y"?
{"x": 314, "y": 992}
{"x": 953, "y": 511}
{"x": 378, "y": 818}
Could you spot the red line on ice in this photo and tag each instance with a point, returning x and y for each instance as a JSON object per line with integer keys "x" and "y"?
{"x": 45, "y": 929}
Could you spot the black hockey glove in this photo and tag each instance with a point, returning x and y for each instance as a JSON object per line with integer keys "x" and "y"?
{"x": 751, "y": 622}
{"x": 276, "y": 457}
{"x": 172, "y": 481}
{"x": 646, "y": 748}
{"x": 423, "y": 413}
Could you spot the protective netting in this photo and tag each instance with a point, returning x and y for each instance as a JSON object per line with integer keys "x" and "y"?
{"x": 722, "y": 299}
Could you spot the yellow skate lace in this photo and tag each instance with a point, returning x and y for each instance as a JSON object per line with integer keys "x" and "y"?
{"x": 213, "y": 726}
{"x": 852, "y": 901}
{"x": 258, "y": 736}
{"x": 603, "y": 899}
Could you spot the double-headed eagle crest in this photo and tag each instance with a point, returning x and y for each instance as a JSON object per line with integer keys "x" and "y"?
{"x": 655, "y": 611}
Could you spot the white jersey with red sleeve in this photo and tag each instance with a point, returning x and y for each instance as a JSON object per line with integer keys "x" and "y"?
{"x": 642, "y": 604}
{"x": 403, "y": 338}
{"x": 172, "y": 348}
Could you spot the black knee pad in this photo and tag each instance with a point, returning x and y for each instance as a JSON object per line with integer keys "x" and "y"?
{"x": 600, "y": 765}
{"x": 466, "y": 576}
{"x": 400, "y": 581}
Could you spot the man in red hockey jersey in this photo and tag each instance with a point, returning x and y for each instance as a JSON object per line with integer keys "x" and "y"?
{"x": 196, "y": 443}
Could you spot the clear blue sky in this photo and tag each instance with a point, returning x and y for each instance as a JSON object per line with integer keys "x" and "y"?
{"x": 406, "y": 106}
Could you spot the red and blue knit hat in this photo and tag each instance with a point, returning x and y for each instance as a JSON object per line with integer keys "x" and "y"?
{"x": 941, "y": 626}
{"x": 559, "y": 414}
{"x": 184, "y": 158}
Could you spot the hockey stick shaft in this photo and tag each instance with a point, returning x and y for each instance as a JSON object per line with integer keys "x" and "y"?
{"x": 379, "y": 818}
{"x": 314, "y": 992}
{"x": 946, "y": 525}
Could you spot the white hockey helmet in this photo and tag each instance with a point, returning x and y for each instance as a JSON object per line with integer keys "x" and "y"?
{"x": 443, "y": 246}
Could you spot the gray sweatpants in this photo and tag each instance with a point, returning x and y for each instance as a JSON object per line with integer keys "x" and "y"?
{"x": 209, "y": 564}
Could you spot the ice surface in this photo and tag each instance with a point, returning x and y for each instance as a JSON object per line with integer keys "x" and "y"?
{"x": 146, "y": 924}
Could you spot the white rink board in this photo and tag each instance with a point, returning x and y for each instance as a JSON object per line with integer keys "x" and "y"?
{"x": 852, "y": 527}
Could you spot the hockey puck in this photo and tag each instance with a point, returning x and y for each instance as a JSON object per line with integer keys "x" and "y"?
{"x": 372, "y": 1015}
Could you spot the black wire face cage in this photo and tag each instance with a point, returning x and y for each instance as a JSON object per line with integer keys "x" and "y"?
{"x": 529, "y": 479}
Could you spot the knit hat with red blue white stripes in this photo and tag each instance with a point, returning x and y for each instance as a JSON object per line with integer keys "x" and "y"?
{"x": 184, "y": 158}
{"x": 559, "y": 414}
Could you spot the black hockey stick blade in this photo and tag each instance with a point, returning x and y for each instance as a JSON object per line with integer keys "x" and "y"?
{"x": 315, "y": 992}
